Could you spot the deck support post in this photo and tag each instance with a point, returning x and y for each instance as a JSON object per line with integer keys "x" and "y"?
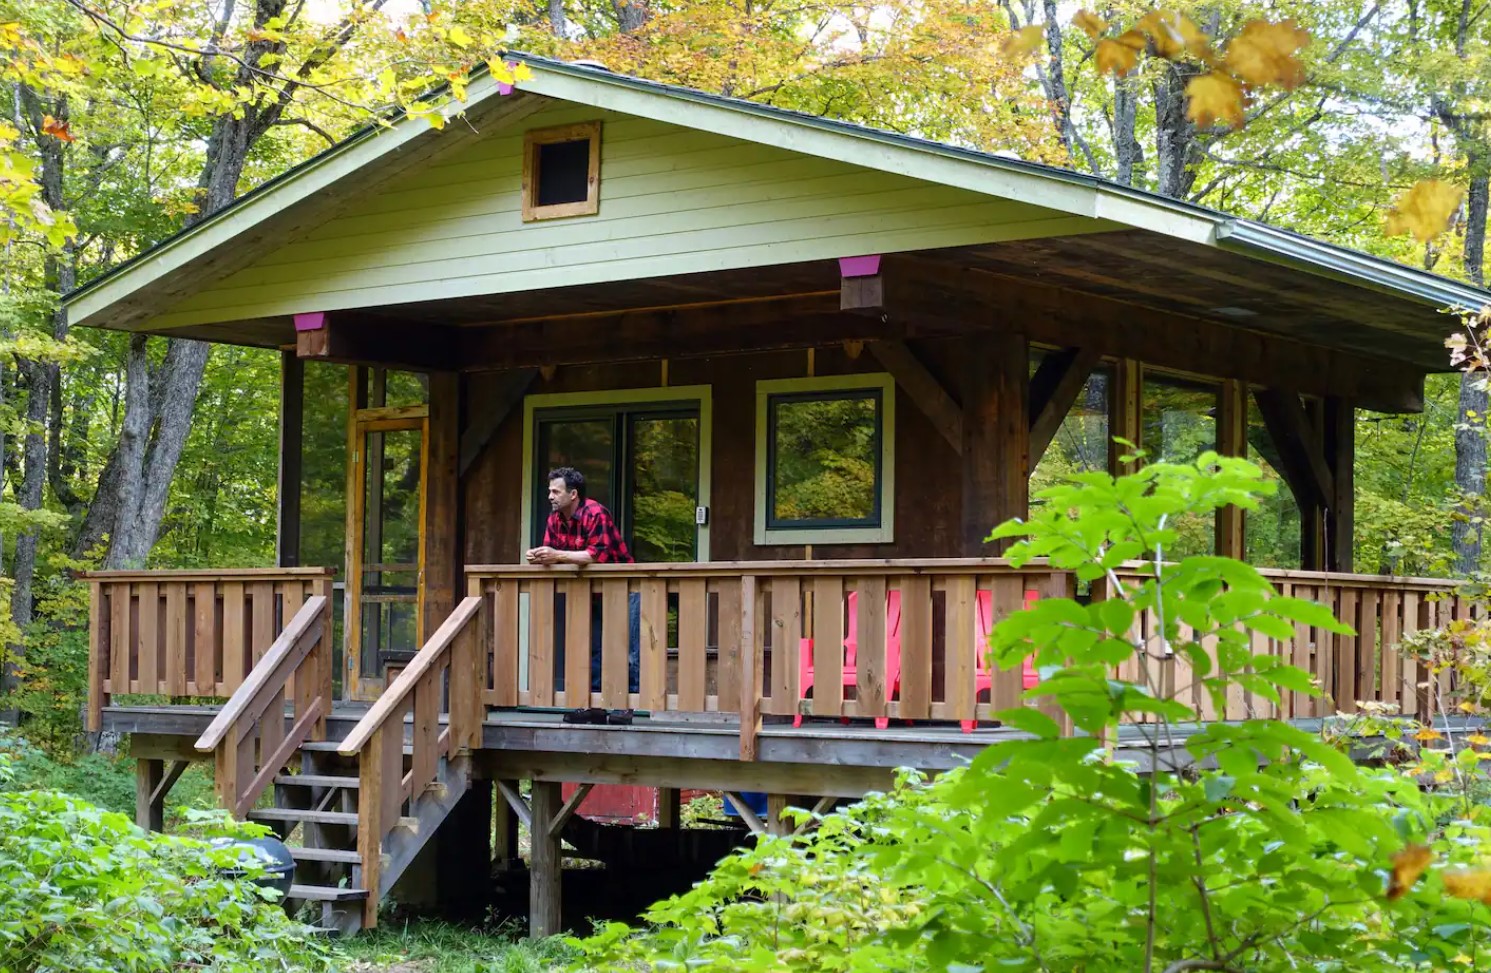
{"x": 996, "y": 436}
{"x": 504, "y": 831}
{"x": 150, "y": 799}
{"x": 544, "y": 872}
{"x": 776, "y": 824}
{"x": 669, "y": 807}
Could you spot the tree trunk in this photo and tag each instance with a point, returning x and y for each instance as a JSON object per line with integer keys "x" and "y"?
{"x": 1175, "y": 136}
{"x": 556, "y": 18}
{"x": 1470, "y": 430}
{"x": 630, "y": 14}
{"x": 1126, "y": 148}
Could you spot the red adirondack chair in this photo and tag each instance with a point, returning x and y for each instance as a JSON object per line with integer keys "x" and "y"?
{"x": 850, "y": 674}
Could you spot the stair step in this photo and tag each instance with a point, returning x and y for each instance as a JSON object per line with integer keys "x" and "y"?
{"x": 325, "y": 893}
{"x": 295, "y": 814}
{"x": 325, "y": 855}
{"x": 321, "y": 746}
{"x": 317, "y": 780}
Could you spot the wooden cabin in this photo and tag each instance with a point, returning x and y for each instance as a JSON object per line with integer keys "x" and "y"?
{"x": 807, "y": 366}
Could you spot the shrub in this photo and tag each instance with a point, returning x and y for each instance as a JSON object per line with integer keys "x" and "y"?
{"x": 1252, "y": 846}
{"x": 84, "y": 890}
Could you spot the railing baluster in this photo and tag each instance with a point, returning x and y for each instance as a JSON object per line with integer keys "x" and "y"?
{"x": 786, "y": 644}
{"x": 693, "y": 643}
{"x": 653, "y": 651}
{"x": 577, "y": 642}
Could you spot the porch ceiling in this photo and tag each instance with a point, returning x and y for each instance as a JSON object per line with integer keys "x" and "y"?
{"x": 1124, "y": 272}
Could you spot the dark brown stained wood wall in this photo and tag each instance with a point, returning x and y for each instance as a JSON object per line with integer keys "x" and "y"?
{"x": 928, "y": 478}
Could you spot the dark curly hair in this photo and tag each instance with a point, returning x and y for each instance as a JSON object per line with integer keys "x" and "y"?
{"x": 573, "y": 479}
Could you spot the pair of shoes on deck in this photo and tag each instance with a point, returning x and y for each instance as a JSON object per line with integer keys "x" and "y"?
{"x": 596, "y": 715}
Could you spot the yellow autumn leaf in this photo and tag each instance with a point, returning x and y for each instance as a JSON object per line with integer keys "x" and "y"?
{"x": 459, "y": 37}
{"x": 1425, "y": 210}
{"x": 1090, "y": 22}
{"x": 1173, "y": 34}
{"x": 1265, "y": 53}
{"x": 1428, "y": 733}
{"x": 1469, "y": 883}
{"x": 1019, "y": 43}
{"x": 1478, "y": 739}
{"x": 1215, "y": 98}
{"x": 1119, "y": 57}
{"x": 1408, "y": 866}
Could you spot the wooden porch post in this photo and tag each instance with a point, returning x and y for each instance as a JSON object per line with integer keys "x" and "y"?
{"x": 292, "y": 423}
{"x": 1126, "y": 411}
{"x": 504, "y": 831}
{"x": 1340, "y": 458}
{"x": 1232, "y": 440}
{"x": 442, "y": 502}
{"x": 996, "y": 436}
{"x": 544, "y": 872}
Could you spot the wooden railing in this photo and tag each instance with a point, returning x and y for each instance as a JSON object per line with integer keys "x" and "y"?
{"x": 440, "y": 693}
{"x": 187, "y": 633}
{"x": 248, "y": 738}
{"x": 739, "y": 637}
{"x": 1363, "y": 667}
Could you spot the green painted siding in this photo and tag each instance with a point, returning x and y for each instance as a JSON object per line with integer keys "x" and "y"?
{"x": 672, "y": 200}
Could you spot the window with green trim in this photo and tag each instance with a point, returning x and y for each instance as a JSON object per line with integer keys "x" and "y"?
{"x": 825, "y": 460}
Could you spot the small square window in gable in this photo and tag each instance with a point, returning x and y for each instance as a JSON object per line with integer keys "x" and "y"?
{"x": 561, "y": 171}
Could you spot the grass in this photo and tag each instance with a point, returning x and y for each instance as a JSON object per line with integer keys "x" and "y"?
{"x": 420, "y": 946}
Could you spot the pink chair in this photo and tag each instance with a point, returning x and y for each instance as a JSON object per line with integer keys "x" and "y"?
{"x": 850, "y": 674}
{"x": 983, "y": 678}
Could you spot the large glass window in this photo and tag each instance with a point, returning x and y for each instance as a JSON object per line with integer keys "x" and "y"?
{"x": 1179, "y": 422}
{"x": 640, "y": 461}
{"x": 824, "y": 460}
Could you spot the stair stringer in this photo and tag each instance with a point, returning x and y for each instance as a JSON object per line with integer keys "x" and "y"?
{"x": 429, "y": 811}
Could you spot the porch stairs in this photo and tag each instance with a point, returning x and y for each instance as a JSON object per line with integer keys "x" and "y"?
{"x": 355, "y": 813}
{"x": 316, "y": 810}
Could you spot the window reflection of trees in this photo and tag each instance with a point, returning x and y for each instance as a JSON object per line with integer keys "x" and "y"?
{"x": 1179, "y": 421}
{"x": 1081, "y": 444}
{"x": 825, "y": 458}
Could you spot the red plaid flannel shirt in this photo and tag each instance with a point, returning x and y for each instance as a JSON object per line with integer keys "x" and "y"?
{"x": 590, "y": 529}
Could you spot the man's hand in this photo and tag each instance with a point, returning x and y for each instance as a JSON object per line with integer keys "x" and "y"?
{"x": 545, "y": 555}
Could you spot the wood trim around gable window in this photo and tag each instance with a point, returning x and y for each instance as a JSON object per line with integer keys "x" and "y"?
{"x": 591, "y": 204}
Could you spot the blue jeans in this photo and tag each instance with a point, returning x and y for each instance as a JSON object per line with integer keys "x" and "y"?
{"x": 597, "y": 620}
{"x": 633, "y": 643}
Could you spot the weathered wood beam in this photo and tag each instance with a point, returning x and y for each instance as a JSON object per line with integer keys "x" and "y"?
{"x": 1300, "y": 449}
{"x": 673, "y": 333}
{"x": 923, "y": 387}
{"x": 509, "y": 791}
{"x": 360, "y": 339}
{"x": 513, "y": 386}
{"x": 556, "y": 826}
{"x": 996, "y": 436}
{"x": 1053, "y": 390}
{"x": 751, "y": 818}
{"x": 921, "y": 291}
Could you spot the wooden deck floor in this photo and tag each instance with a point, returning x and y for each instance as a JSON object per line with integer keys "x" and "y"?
{"x": 820, "y": 757}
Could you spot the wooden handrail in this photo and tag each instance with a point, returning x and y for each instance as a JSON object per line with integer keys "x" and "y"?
{"x": 888, "y": 566}
{"x": 207, "y": 574}
{"x": 395, "y": 696}
{"x": 248, "y": 737}
{"x": 293, "y": 643}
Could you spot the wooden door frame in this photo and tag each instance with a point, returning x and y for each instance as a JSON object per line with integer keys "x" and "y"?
{"x": 362, "y": 420}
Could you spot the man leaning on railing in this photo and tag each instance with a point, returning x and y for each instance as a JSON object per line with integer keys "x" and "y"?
{"x": 581, "y": 531}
